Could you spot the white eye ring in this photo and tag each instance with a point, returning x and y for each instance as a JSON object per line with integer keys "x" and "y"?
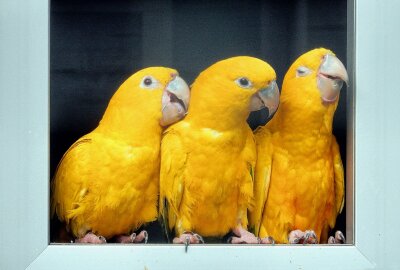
{"x": 302, "y": 71}
{"x": 149, "y": 82}
{"x": 244, "y": 82}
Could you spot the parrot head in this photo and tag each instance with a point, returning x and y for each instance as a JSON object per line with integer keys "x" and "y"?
{"x": 241, "y": 83}
{"x": 319, "y": 74}
{"x": 151, "y": 93}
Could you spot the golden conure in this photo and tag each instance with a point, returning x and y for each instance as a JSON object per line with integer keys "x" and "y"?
{"x": 207, "y": 160}
{"x": 107, "y": 183}
{"x": 299, "y": 178}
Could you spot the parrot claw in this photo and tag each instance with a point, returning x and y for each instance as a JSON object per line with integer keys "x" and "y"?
{"x": 187, "y": 241}
{"x": 243, "y": 237}
{"x": 310, "y": 238}
{"x": 267, "y": 240}
{"x": 146, "y": 237}
{"x": 300, "y": 237}
{"x": 133, "y": 238}
{"x": 338, "y": 239}
{"x": 91, "y": 238}
{"x": 188, "y": 238}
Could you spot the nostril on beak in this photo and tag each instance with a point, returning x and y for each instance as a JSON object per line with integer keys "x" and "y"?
{"x": 173, "y": 75}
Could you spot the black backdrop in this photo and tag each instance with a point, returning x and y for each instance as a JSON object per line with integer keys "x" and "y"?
{"x": 96, "y": 44}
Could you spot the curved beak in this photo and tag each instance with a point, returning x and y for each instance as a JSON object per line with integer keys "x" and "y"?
{"x": 266, "y": 97}
{"x": 330, "y": 78}
{"x": 175, "y": 101}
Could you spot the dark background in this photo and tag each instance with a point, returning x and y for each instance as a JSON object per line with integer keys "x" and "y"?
{"x": 95, "y": 45}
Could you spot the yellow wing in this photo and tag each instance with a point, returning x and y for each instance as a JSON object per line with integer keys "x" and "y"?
{"x": 246, "y": 198}
{"x": 339, "y": 176}
{"x": 67, "y": 193}
{"x": 100, "y": 180}
{"x": 262, "y": 176}
{"x": 173, "y": 160}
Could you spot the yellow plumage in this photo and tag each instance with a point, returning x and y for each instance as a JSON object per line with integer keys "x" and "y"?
{"x": 299, "y": 173}
{"x": 207, "y": 159}
{"x": 107, "y": 182}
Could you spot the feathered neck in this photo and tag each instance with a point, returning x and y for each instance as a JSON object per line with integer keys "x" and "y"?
{"x": 291, "y": 119}
{"x": 140, "y": 125}
{"x": 214, "y": 108}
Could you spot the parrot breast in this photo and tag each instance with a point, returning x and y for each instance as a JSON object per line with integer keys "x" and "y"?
{"x": 213, "y": 174}
{"x": 304, "y": 195}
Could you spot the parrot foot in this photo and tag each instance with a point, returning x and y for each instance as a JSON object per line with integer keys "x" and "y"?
{"x": 300, "y": 237}
{"x": 133, "y": 238}
{"x": 92, "y": 239}
{"x": 188, "y": 238}
{"x": 243, "y": 237}
{"x": 267, "y": 240}
{"x": 338, "y": 239}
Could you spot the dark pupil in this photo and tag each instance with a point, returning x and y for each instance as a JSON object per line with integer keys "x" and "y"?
{"x": 147, "y": 81}
{"x": 244, "y": 82}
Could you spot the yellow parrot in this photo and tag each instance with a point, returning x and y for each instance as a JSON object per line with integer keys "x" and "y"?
{"x": 299, "y": 177}
{"x": 107, "y": 183}
{"x": 207, "y": 159}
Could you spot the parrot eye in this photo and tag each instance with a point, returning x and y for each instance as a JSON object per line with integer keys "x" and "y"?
{"x": 302, "y": 71}
{"x": 243, "y": 82}
{"x": 149, "y": 82}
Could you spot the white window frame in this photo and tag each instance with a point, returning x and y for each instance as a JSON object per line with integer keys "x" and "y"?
{"x": 373, "y": 147}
